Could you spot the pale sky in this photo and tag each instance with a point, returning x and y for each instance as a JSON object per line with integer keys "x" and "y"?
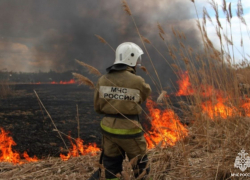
{"x": 235, "y": 23}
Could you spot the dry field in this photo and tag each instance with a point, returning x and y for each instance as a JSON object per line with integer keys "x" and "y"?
{"x": 216, "y": 112}
{"x": 29, "y": 125}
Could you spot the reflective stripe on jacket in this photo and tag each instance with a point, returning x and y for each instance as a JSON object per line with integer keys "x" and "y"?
{"x": 121, "y": 92}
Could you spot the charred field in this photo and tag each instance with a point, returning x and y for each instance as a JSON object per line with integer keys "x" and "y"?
{"x": 201, "y": 132}
{"x": 31, "y": 128}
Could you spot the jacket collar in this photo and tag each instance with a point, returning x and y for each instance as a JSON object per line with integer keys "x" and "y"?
{"x": 130, "y": 69}
{"x": 116, "y": 67}
{"x": 120, "y": 67}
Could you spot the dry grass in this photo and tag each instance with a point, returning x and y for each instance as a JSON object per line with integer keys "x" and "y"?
{"x": 102, "y": 40}
{"x": 126, "y": 7}
{"x": 144, "y": 69}
{"x": 51, "y": 169}
{"x": 83, "y": 80}
{"x": 210, "y": 149}
{"x": 162, "y": 97}
{"x": 91, "y": 69}
{"x": 145, "y": 40}
{"x": 208, "y": 152}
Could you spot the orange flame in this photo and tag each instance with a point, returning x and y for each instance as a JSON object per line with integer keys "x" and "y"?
{"x": 72, "y": 81}
{"x": 79, "y": 149}
{"x": 246, "y": 107}
{"x": 208, "y": 91}
{"x": 29, "y": 159}
{"x": 53, "y": 82}
{"x": 6, "y": 152}
{"x": 185, "y": 87}
{"x": 219, "y": 109}
{"x": 213, "y": 110}
{"x": 166, "y": 127}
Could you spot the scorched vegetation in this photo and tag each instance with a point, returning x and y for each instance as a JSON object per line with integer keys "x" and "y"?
{"x": 216, "y": 110}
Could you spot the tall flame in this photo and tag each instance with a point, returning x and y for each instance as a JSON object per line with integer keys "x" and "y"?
{"x": 213, "y": 109}
{"x": 79, "y": 149}
{"x": 185, "y": 87}
{"x": 6, "y": 152}
{"x": 218, "y": 109}
{"x": 166, "y": 127}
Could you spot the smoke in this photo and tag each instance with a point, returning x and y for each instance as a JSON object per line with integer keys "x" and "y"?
{"x": 44, "y": 35}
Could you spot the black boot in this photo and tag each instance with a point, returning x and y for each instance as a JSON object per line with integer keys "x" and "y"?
{"x": 140, "y": 167}
{"x": 113, "y": 166}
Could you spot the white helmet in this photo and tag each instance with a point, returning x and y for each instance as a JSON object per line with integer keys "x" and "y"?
{"x": 128, "y": 53}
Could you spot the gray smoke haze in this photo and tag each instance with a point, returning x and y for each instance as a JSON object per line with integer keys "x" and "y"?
{"x": 50, "y": 34}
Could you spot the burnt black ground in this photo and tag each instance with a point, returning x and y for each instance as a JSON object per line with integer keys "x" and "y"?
{"x": 32, "y": 129}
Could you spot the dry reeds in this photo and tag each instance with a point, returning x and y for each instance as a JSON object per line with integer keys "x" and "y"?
{"x": 210, "y": 152}
{"x": 230, "y": 11}
{"x": 145, "y": 40}
{"x": 162, "y": 97}
{"x": 51, "y": 168}
{"x": 59, "y": 133}
{"x": 91, "y": 69}
{"x": 210, "y": 149}
{"x": 240, "y": 12}
{"x": 127, "y": 10}
{"x": 144, "y": 69}
{"x": 83, "y": 80}
{"x": 206, "y": 15}
{"x": 228, "y": 40}
{"x": 161, "y": 36}
{"x": 126, "y": 7}
{"x": 102, "y": 40}
{"x": 160, "y": 28}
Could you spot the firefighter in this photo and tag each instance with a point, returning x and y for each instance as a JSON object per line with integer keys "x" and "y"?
{"x": 118, "y": 95}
